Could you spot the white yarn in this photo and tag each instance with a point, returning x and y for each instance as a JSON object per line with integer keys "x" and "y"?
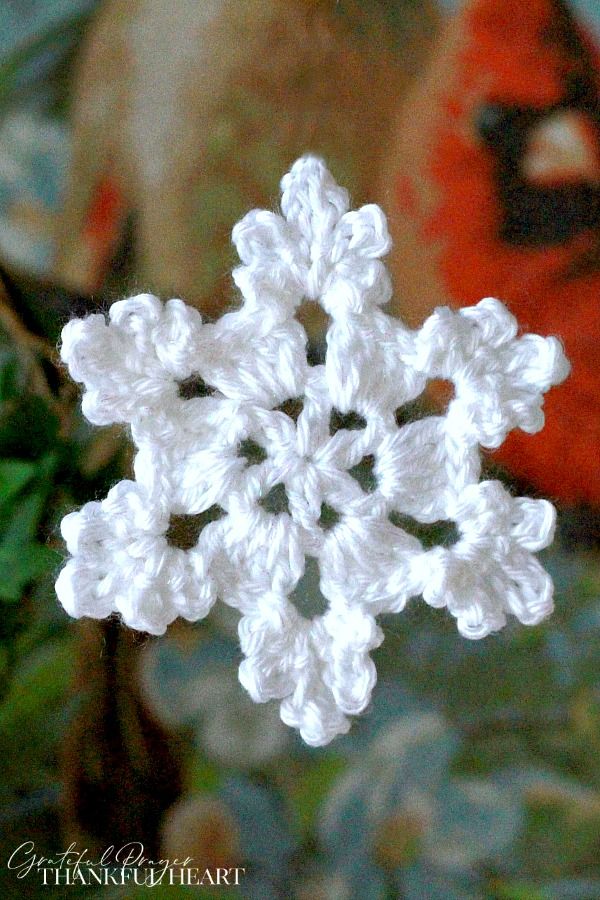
{"x": 253, "y": 360}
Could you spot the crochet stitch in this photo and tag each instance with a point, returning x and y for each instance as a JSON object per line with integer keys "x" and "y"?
{"x": 143, "y": 367}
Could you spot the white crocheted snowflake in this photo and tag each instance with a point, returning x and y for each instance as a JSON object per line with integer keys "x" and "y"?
{"x": 143, "y": 368}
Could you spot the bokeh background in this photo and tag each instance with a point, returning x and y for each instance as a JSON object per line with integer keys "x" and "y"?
{"x": 132, "y": 137}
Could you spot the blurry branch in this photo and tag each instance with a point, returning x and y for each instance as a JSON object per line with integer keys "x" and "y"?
{"x": 29, "y": 348}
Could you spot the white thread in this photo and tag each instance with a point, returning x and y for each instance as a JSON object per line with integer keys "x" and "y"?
{"x": 254, "y": 359}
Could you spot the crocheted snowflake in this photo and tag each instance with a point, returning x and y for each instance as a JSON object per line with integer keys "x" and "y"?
{"x": 199, "y": 397}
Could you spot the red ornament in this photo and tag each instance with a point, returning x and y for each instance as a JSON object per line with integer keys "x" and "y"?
{"x": 497, "y": 175}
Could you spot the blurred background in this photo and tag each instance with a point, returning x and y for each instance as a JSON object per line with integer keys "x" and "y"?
{"x": 132, "y": 138}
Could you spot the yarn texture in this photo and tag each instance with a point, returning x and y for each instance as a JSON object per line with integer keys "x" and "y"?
{"x": 143, "y": 367}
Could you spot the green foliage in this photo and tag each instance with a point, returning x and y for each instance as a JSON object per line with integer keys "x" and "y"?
{"x": 202, "y": 777}
{"x": 38, "y": 687}
{"x": 23, "y": 558}
{"x": 312, "y": 785}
